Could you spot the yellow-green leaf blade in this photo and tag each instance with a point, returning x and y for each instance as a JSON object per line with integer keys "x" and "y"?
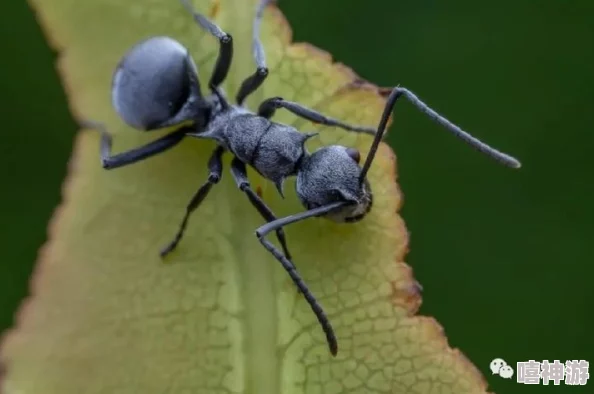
{"x": 108, "y": 317}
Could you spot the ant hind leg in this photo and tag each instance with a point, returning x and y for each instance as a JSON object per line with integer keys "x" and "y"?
{"x": 225, "y": 56}
{"x": 109, "y": 161}
{"x": 254, "y": 81}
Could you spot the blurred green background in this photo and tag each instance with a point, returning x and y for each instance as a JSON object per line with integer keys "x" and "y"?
{"x": 506, "y": 257}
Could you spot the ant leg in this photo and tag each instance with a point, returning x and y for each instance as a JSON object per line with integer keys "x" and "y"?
{"x": 109, "y": 161}
{"x": 292, "y": 271}
{"x": 253, "y": 82}
{"x": 225, "y": 49}
{"x": 238, "y": 170}
{"x": 269, "y": 107}
{"x": 215, "y": 167}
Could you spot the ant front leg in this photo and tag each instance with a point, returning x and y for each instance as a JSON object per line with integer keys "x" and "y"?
{"x": 223, "y": 62}
{"x": 215, "y": 167}
{"x": 253, "y": 82}
{"x": 109, "y": 161}
{"x": 269, "y": 107}
{"x": 239, "y": 172}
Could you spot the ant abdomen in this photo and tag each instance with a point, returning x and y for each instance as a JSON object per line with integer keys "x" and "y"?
{"x": 153, "y": 84}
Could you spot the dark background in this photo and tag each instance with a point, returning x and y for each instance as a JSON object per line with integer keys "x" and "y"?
{"x": 506, "y": 257}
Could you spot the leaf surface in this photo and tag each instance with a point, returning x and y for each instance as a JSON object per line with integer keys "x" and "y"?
{"x": 107, "y": 316}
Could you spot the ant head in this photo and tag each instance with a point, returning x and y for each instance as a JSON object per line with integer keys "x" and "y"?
{"x": 156, "y": 85}
{"x": 333, "y": 174}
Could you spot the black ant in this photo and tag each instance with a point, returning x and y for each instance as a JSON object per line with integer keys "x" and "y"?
{"x": 156, "y": 85}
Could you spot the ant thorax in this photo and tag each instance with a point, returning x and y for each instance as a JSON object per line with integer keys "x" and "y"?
{"x": 274, "y": 150}
{"x": 332, "y": 174}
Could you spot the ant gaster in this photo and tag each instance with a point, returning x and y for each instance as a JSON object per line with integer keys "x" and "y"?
{"x": 156, "y": 85}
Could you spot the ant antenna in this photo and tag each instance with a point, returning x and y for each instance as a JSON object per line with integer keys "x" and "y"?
{"x": 501, "y": 157}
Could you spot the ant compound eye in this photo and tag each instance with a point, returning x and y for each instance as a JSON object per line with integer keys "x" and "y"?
{"x": 354, "y": 154}
{"x": 152, "y": 82}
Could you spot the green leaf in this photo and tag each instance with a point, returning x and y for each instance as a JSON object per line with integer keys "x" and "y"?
{"x": 107, "y": 316}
